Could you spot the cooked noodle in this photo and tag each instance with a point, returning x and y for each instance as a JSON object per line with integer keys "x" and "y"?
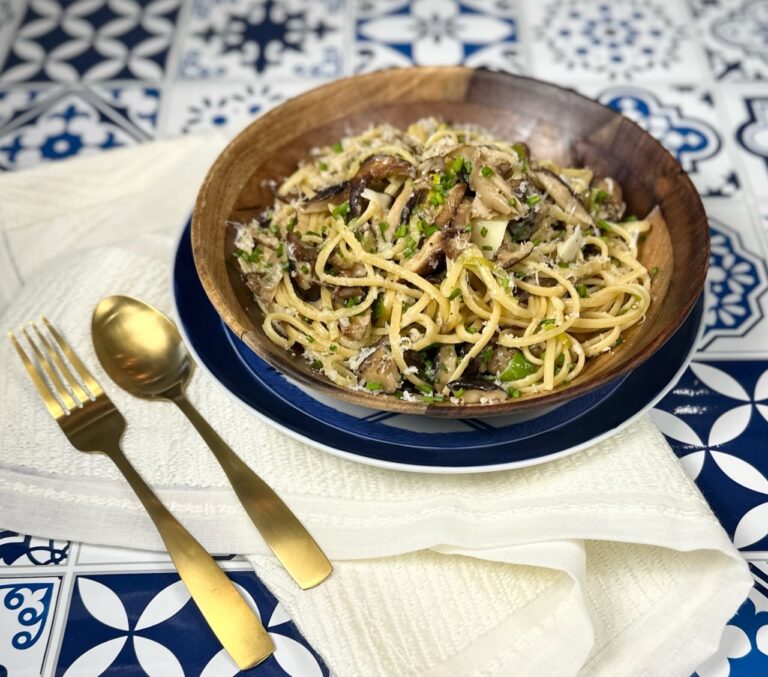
{"x": 441, "y": 262}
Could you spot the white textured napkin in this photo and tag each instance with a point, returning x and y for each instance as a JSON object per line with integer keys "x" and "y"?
{"x": 608, "y": 562}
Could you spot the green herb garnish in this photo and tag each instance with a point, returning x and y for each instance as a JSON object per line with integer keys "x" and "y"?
{"x": 454, "y": 294}
{"x": 337, "y": 147}
{"x": 486, "y": 171}
{"x": 373, "y": 385}
{"x": 582, "y": 290}
{"x": 342, "y": 210}
{"x": 533, "y": 199}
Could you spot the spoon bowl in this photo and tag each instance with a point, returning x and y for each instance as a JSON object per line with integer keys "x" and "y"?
{"x": 139, "y": 347}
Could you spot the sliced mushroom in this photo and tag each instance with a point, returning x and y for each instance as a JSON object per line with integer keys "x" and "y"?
{"x": 427, "y": 257}
{"x": 264, "y": 285}
{"x": 445, "y": 365}
{"x": 507, "y": 258}
{"x": 265, "y": 239}
{"x": 322, "y": 198}
{"x": 473, "y": 396}
{"x": 374, "y": 168}
{"x": 450, "y": 206}
{"x": 493, "y": 191}
{"x": 303, "y": 258}
{"x": 343, "y": 294}
{"x": 500, "y": 359}
{"x": 473, "y": 383}
{"x": 456, "y": 241}
{"x": 380, "y": 367}
{"x": 358, "y": 327}
{"x": 349, "y": 268}
{"x": 612, "y": 207}
{"x": 462, "y": 216}
{"x": 562, "y": 195}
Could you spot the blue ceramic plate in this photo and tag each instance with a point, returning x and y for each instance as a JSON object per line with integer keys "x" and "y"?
{"x": 416, "y": 443}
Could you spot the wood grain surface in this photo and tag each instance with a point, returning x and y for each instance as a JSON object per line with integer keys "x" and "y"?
{"x": 556, "y": 123}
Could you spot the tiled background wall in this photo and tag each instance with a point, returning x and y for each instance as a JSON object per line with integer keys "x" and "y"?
{"x": 82, "y": 76}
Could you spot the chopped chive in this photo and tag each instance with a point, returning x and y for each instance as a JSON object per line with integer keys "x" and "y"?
{"x": 317, "y": 365}
{"x": 291, "y": 224}
{"x": 486, "y": 171}
{"x": 454, "y": 294}
{"x": 602, "y": 224}
{"x": 533, "y": 199}
{"x": 654, "y": 271}
{"x": 427, "y": 390}
{"x": 273, "y": 228}
{"x": 401, "y": 230}
{"x": 619, "y": 341}
{"x": 353, "y": 301}
{"x": 536, "y": 242}
{"x": 373, "y": 385}
{"x": 600, "y": 196}
{"x": 312, "y": 233}
{"x": 383, "y": 227}
{"x": 280, "y": 250}
{"x": 512, "y": 202}
{"x": 337, "y": 147}
{"x": 629, "y": 219}
{"x": 323, "y": 166}
{"x": 458, "y": 393}
{"x": 487, "y": 354}
{"x": 514, "y": 393}
{"x": 563, "y": 264}
{"x": 305, "y": 269}
{"x": 582, "y": 290}
{"x": 310, "y": 339}
{"x": 487, "y": 248}
{"x": 549, "y": 322}
{"x": 333, "y": 347}
{"x": 342, "y": 210}
{"x": 471, "y": 330}
{"x": 430, "y": 230}
{"x": 458, "y": 163}
{"x": 483, "y": 231}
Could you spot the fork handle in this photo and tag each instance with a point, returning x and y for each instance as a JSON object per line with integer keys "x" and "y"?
{"x": 233, "y": 622}
{"x": 287, "y": 537}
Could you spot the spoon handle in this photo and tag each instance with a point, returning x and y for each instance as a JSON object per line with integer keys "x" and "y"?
{"x": 228, "y": 615}
{"x": 279, "y": 527}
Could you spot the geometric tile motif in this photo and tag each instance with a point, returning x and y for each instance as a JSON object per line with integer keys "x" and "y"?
{"x": 276, "y": 38}
{"x": 692, "y": 141}
{"x": 734, "y": 35}
{"x": 129, "y": 623}
{"x": 19, "y": 550}
{"x": 26, "y": 618}
{"x": 753, "y": 134}
{"x": 615, "y": 41}
{"x": 91, "y": 41}
{"x": 736, "y": 280}
{"x": 747, "y": 629}
{"x": 716, "y": 420}
{"x": 57, "y": 124}
{"x": 472, "y": 32}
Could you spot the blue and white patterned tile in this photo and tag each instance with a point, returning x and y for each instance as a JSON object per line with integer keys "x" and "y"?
{"x": 685, "y": 119}
{"x": 26, "y": 618}
{"x": 230, "y": 39}
{"x": 733, "y": 33}
{"x": 613, "y": 42}
{"x": 736, "y": 317}
{"x": 91, "y": 40}
{"x": 18, "y": 550}
{"x": 747, "y": 108}
{"x": 478, "y": 33}
{"x": 39, "y": 125}
{"x": 743, "y": 650}
{"x": 225, "y": 107}
{"x": 139, "y": 623}
{"x": 716, "y": 420}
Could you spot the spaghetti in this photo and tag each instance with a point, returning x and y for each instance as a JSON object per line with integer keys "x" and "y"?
{"x": 440, "y": 262}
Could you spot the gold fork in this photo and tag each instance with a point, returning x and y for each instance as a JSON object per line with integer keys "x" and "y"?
{"x": 93, "y": 424}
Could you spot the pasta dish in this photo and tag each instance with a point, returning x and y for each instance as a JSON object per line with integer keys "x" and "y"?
{"x": 440, "y": 263}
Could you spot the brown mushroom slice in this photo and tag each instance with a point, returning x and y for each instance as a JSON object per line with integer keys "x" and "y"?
{"x": 507, "y": 258}
{"x": 357, "y": 328}
{"x": 612, "y": 207}
{"x": 562, "y": 195}
{"x": 322, "y": 198}
{"x": 303, "y": 258}
{"x": 264, "y": 285}
{"x": 374, "y": 168}
{"x": 380, "y": 367}
{"x": 343, "y": 294}
{"x": 445, "y": 365}
{"x": 462, "y": 218}
{"x": 349, "y": 268}
{"x": 426, "y": 259}
{"x": 452, "y": 201}
{"x": 456, "y": 241}
{"x": 473, "y": 396}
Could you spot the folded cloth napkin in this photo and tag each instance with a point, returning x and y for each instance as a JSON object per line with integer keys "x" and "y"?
{"x": 608, "y": 562}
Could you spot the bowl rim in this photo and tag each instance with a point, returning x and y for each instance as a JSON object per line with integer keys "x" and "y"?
{"x": 447, "y": 409}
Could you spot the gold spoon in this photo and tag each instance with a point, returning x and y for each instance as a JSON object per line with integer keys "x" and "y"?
{"x": 142, "y": 351}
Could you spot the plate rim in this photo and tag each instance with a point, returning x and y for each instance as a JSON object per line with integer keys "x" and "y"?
{"x": 411, "y": 467}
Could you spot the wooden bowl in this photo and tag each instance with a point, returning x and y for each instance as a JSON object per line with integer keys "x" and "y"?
{"x": 556, "y": 123}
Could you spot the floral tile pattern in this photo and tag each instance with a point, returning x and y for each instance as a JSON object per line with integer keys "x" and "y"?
{"x": 614, "y": 41}
{"x": 733, "y": 32}
{"x": 97, "y": 40}
{"x": 41, "y": 125}
{"x": 81, "y": 76}
{"x": 479, "y": 34}
{"x": 275, "y": 38}
{"x": 27, "y": 608}
{"x": 144, "y": 621}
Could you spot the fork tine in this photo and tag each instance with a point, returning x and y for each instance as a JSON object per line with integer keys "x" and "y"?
{"x": 51, "y": 403}
{"x": 90, "y": 382}
{"x": 61, "y": 389}
{"x": 66, "y": 374}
